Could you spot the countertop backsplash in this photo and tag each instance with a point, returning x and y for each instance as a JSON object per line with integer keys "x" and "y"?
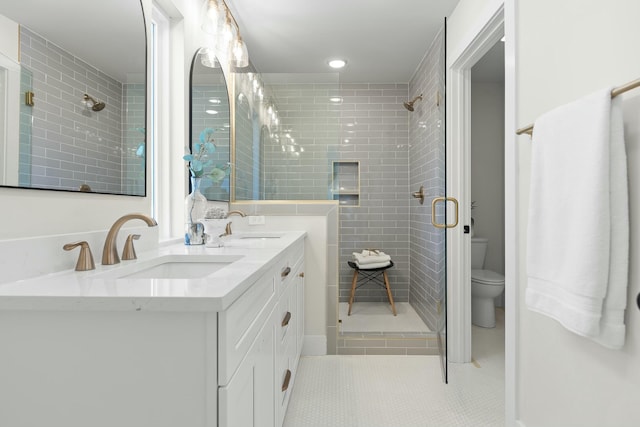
{"x": 34, "y": 256}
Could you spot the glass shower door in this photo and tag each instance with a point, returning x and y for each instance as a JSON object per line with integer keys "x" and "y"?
{"x": 439, "y": 205}
{"x": 428, "y": 218}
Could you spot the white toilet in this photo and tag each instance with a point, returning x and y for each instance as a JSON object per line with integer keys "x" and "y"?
{"x": 485, "y": 286}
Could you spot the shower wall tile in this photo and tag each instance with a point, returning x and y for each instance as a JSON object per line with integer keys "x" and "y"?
{"x": 374, "y": 133}
{"x": 426, "y": 167}
{"x": 297, "y": 161}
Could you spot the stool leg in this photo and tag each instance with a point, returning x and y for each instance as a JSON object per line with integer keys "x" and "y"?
{"x": 386, "y": 284}
{"x": 353, "y": 289}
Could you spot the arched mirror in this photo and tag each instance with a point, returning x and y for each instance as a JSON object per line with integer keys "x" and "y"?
{"x": 210, "y": 122}
{"x": 74, "y": 86}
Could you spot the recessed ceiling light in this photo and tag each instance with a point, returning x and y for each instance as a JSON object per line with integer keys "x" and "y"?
{"x": 215, "y": 101}
{"x": 211, "y": 111}
{"x": 335, "y": 99}
{"x": 337, "y": 63}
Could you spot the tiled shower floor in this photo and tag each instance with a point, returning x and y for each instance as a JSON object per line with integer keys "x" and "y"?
{"x": 376, "y": 317}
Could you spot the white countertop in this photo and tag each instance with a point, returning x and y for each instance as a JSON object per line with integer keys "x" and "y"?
{"x": 100, "y": 290}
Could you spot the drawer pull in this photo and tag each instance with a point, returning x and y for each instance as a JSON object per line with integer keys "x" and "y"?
{"x": 286, "y": 319}
{"x": 285, "y": 272}
{"x": 287, "y": 378}
{"x": 301, "y": 274}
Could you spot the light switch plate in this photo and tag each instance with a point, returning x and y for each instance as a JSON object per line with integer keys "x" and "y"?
{"x": 256, "y": 220}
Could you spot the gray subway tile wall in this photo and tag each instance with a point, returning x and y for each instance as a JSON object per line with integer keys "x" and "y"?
{"x": 427, "y": 166}
{"x": 134, "y": 138}
{"x": 298, "y": 162}
{"x": 79, "y": 146}
{"x": 374, "y": 133}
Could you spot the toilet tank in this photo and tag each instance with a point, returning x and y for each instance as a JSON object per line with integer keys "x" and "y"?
{"x": 478, "y": 252}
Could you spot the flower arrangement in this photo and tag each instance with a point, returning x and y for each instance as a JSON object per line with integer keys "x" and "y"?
{"x": 198, "y": 160}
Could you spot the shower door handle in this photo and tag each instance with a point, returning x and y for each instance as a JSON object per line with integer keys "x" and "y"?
{"x": 434, "y": 202}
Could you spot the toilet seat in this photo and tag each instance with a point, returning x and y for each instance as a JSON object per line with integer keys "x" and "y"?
{"x": 487, "y": 277}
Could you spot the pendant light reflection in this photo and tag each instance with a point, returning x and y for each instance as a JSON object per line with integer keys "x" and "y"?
{"x": 226, "y": 39}
{"x": 208, "y": 58}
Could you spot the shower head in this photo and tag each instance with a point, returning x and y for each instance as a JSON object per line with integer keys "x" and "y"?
{"x": 98, "y": 106}
{"x": 409, "y": 104}
{"x": 90, "y": 102}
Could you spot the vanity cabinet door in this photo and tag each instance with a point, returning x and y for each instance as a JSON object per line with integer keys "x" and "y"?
{"x": 240, "y": 324}
{"x": 247, "y": 400}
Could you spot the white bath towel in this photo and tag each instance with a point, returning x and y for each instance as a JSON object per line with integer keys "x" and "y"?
{"x": 371, "y": 257}
{"x": 372, "y": 265}
{"x": 577, "y": 239}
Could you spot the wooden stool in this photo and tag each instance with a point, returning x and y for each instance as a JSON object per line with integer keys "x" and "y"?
{"x": 370, "y": 275}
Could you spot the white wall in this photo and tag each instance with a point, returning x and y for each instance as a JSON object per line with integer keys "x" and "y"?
{"x": 9, "y": 38}
{"x": 566, "y": 50}
{"x": 487, "y": 168}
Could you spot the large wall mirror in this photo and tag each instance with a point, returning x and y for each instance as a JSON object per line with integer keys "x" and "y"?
{"x": 73, "y": 112}
{"x": 211, "y": 122}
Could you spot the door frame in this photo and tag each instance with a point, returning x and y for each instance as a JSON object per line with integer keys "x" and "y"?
{"x": 490, "y": 29}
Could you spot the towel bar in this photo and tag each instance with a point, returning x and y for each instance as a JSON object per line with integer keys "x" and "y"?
{"x": 614, "y": 92}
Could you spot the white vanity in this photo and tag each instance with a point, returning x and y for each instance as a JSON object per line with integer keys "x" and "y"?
{"x": 181, "y": 337}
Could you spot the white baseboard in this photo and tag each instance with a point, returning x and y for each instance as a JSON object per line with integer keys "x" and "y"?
{"x": 314, "y": 345}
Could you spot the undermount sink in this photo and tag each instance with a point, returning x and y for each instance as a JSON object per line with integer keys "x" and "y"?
{"x": 266, "y": 235}
{"x": 172, "y": 267}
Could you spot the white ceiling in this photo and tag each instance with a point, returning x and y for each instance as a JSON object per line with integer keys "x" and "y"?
{"x": 108, "y": 34}
{"x": 383, "y": 41}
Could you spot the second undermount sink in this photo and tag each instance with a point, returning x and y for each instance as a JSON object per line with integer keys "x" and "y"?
{"x": 254, "y": 239}
{"x": 259, "y": 235}
{"x": 172, "y": 267}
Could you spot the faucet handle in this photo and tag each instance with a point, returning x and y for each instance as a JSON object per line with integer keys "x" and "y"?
{"x": 129, "y": 251}
{"x": 85, "y": 260}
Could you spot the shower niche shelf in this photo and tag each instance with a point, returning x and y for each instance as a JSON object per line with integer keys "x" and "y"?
{"x": 345, "y": 183}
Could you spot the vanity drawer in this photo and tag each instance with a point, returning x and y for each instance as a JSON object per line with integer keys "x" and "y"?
{"x": 240, "y": 323}
{"x": 288, "y": 317}
{"x": 292, "y": 256}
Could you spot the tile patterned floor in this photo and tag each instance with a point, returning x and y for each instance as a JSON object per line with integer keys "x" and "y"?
{"x": 402, "y": 391}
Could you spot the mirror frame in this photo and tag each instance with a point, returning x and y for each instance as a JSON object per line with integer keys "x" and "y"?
{"x": 145, "y": 138}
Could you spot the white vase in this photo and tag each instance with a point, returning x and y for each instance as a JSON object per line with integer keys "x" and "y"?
{"x": 213, "y": 230}
{"x": 195, "y": 205}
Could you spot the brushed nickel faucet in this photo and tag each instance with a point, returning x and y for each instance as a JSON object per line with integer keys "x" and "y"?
{"x": 129, "y": 251}
{"x": 227, "y": 230}
{"x": 85, "y": 260}
{"x": 110, "y": 252}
